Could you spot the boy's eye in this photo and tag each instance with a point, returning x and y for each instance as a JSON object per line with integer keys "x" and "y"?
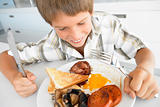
{"x": 81, "y": 23}
{"x": 61, "y": 29}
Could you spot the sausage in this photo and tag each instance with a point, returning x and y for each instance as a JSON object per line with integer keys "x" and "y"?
{"x": 81, "y": 67}
{"x": 115, "y": 93}
{"x": 99, "y": 99}
{"x": 107, "y": 96}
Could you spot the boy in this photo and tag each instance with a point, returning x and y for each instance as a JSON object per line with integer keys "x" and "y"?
{"x": 76, "y": 30}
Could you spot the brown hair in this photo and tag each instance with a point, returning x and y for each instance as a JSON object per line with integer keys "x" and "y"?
{"x": 50, "y": 8}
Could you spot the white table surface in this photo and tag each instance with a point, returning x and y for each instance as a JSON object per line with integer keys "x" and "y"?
{"x": 9, "y": 98}
{"x": 3, "y": 46}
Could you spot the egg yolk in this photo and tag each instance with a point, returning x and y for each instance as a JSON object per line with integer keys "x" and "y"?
{"x": 95, "y": 81}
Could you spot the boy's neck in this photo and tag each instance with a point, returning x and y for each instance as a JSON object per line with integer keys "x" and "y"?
{"x": 80, "y": 50}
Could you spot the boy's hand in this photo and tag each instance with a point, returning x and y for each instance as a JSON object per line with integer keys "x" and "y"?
{"x": 25, "y": 86}
{"x": 142, "y": 85}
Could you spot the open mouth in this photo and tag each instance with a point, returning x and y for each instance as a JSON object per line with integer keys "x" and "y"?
{"x": 77, "y": 41}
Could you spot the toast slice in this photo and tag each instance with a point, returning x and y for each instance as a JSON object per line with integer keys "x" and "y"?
{"x": 61, "y": 80}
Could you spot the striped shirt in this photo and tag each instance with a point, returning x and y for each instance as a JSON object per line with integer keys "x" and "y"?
{"x": 107, "y": 35}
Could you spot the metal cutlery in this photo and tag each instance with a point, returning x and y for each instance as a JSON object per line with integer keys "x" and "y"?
{"x": 13, "y": 48}
{"x": 107, "y": 58}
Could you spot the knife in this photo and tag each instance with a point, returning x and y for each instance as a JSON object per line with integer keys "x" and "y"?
{"x": 12, "y": 45}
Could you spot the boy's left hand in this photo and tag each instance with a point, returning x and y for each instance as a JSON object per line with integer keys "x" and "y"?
{"x": 143, "y": 84}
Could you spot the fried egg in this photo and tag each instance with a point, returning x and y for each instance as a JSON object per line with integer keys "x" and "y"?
{"x": 100, "y": 76}
{"x": 95, "y": 81}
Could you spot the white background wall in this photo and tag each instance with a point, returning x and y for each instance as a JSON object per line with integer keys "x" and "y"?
{"x": 26, "y": 23}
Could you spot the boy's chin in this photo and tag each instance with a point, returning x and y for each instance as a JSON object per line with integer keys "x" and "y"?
{"x": 77, "y": 46}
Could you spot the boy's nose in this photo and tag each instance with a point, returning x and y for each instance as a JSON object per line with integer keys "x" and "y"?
{"x": 76, "y": 34}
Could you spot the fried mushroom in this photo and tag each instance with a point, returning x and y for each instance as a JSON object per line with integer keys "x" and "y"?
{"x": 72, "y": 98}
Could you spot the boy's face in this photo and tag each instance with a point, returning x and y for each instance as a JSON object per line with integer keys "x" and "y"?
{"x": 73, "y": 29}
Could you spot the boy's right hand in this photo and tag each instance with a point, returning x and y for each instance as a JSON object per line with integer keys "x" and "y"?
{"x": 25, "y": 86}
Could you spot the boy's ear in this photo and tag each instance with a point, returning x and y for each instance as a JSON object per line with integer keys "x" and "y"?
{"x": 91, "y": 13}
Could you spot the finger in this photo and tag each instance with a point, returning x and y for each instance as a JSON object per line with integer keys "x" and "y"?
{"x": 23, "y": 87}
{"x": 28, "y": 92}
{"x": 152, "y": 94}
{"x": 126, "y": 85}
{"x": 148, "y": 93}
{"x": 22, "y": 82}
{"x": 127, "y": 88}
{"x": 145, "y": 85}
{"x": 143, "y": 89}
{"x": 27, "y": 88}
{"x": 30, "y": 75}
{"x": 136, "y": 82}
{"x": 26, "y": 82}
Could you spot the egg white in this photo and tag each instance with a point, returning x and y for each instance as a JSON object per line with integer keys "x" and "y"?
{"x": 107, "y": 71}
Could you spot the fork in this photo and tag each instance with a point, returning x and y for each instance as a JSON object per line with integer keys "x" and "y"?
{"x": 107, "y": 58}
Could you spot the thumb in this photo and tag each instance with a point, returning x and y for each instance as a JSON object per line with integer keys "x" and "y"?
{"x": 30, "y": 75}
{"x": 127, "y": 88}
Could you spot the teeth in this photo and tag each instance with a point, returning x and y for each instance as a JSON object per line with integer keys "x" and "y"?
{"x": 77, "y": 40}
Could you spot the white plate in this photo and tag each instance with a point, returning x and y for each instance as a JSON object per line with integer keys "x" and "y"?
{"x": 45, "y": 100}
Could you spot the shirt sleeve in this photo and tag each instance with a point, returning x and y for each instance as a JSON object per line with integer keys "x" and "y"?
{"x": 127, "y": 43}
{"x": 34, "y": 52}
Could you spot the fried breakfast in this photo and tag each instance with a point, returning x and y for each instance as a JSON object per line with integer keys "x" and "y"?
{"x": 81, "y": 67}
{"x": 95, "y": 81}
{"x": 107, "y": 96}
{"x": 82, "y": 87}
{"x": 70, "y": 98}
{"x": 61, "y": 80}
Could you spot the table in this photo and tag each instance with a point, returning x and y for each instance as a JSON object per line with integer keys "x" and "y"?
{"x": 9, "y": 98}
{"x": 3, "y": 46}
